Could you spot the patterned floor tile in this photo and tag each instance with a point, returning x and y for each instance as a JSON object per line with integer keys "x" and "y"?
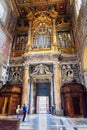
{"x": 77, "y": 121}
{"x": 52, "y": 122}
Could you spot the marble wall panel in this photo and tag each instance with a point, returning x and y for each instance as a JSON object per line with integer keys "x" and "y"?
{"x": 5, "y": 45}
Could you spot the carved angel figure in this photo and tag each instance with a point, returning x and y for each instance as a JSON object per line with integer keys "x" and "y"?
{"x": 41, "y": 69}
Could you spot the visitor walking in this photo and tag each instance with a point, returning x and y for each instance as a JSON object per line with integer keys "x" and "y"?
{"x": 24, "y": 112}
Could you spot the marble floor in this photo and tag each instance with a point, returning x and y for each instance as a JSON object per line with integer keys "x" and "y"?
{"x": 51, "y": 122}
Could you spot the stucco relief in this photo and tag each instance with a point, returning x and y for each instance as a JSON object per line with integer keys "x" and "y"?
{"x": 70, "y": 73}
{"x": 15, "y": 75}
{"x": 41, "y": 69}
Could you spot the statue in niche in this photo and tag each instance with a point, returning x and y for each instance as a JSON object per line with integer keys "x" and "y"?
{"x": 60, "y": 39}
{"x": 16, "y": 77}
{"x": 22, "y": 39}
{"x": 18, "y": 39}
{"x": 69, "y": 75}
{"x": 64, "y": 39}
{"x": 41, "y": 69}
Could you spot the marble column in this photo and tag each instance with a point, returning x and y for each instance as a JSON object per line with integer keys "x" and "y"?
{"x": 25, "y": 90}
{"x": 57, "y": 77}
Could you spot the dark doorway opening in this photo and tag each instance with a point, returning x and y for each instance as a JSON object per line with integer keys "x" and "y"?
{"x": 76, "y": 105}
{"x": 43, "y": 89}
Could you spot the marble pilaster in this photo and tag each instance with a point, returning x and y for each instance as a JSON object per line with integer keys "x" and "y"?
{"x": 25, "y": 90}
{"x": 57, "y": 78}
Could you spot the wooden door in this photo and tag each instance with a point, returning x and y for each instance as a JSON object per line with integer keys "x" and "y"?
{"x": 1, "y": 104}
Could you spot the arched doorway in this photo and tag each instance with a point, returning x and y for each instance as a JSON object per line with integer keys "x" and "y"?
{"x": 74, "y": 100}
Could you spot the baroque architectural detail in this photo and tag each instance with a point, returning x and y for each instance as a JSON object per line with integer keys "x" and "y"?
{"x": 15, "y": 75}
{"x": 41, "y": 69}
{"x": 70, "y": 73}
{"x": 26, "y": 65}
{"x": 56, "y": 64}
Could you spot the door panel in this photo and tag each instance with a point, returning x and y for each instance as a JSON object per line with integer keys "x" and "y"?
{"x": 43, "y": 89}
{"x": 76, "y": 105}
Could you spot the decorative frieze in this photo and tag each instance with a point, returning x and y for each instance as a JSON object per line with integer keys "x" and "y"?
{"x": 41, "y": 69}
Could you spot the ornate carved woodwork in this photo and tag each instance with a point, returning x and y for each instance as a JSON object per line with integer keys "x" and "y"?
{"x": 45, "y": 31}
{"x": 10, "y": 98}
{"x": 74, "y": 100}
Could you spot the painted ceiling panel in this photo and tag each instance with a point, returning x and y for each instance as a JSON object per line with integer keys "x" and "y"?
{"x": 24, "y": 6}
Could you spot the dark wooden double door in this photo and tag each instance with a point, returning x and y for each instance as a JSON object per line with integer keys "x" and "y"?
{"x": 74, "y": 100}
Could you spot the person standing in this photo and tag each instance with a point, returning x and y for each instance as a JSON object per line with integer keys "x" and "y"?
{"x": 24, "y": 112}
{"x": 18, "y": 111}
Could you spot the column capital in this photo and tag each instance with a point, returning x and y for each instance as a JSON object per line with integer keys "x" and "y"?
{"x": 26, "y": 65}
{"x": 56, "y": 64}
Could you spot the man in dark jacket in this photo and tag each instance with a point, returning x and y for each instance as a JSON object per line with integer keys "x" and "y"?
{"x": 24, "y": 112}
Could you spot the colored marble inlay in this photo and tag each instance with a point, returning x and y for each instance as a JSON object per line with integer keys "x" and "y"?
{"x": 79, "y": 121}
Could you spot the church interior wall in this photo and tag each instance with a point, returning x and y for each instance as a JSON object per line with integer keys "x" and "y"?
{"x": 79, "y": 27}
{"x": 80, "y": 34}
{"x": 7, "y": 27}
{"x": 65, "y": 44}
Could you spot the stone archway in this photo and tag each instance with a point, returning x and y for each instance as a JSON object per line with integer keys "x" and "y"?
{"x": 41, "y": 89}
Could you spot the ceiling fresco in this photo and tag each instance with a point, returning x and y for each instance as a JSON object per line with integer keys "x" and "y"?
{"x": 22, "y": 7}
